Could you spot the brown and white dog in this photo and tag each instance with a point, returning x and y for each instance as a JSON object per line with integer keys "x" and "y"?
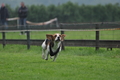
{"x": 52, "y": 45}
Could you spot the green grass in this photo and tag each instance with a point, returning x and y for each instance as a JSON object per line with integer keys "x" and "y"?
{"x": 104, "y": 35}
{"x": 75, "y": 63}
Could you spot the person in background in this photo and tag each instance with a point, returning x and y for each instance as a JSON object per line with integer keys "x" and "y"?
{"x": 4, "y": 15}
{"x": 22, "y": 13}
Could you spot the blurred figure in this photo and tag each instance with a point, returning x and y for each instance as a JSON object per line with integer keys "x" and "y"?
{"x": 22, "y": 12}
{"x": 4, "y": 15}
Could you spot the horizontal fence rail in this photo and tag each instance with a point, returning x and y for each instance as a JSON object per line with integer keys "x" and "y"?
{"x": 84, "y": 43}
{"x": 97, "y": 27}
{"x": 92, "y": 43}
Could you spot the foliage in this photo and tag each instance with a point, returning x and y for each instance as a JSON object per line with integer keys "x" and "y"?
{"x": 72, "y": 12}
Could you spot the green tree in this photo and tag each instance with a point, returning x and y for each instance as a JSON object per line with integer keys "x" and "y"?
{"x": 71, "y": 12}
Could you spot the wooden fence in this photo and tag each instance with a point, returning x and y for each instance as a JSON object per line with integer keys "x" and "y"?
{"x": 97, "y": 27}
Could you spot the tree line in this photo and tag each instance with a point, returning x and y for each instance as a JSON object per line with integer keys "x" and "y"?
{"x": 71, "y": 12}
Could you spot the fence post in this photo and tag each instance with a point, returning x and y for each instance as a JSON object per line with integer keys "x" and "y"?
{"x": 62, "y": 32}
{"x": 28, "y": 36}
{"x": 28, "y": 40}
{"x": 97, "y": 37}
{"x": 3, "y": 37}
{"x": 63, "y": 47}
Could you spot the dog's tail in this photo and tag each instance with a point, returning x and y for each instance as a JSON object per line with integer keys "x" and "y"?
{"x": 53, "y": 53}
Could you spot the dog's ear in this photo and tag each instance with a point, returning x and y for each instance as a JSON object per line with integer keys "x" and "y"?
{"x": 62, "y": 37}
{"x": 49, "y": 36}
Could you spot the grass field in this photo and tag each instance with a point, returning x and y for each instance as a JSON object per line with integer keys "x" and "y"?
{"x": 75, "y": 63}
{"x": 104, "y": 35}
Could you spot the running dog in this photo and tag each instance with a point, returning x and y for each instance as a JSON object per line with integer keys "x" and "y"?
{"x": 52, "y": 45}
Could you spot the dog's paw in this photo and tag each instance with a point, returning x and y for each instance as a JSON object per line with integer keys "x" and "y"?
{"x": 46, "y": 59}
{"x": 51, "y": 57}
{"x": 43, "y": 56}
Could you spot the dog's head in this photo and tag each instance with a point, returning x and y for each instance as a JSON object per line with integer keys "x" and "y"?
{"x": 56, "y": 37}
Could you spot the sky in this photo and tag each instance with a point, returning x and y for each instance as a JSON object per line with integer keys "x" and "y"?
{"x": 14, "y": 3}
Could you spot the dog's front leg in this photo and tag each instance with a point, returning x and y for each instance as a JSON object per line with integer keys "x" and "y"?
{"x": 46, "y": 55}
{"x": 55, "y": 57}
{"x": 43, "y": 53}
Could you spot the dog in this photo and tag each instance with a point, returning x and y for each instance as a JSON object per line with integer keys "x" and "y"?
{"x": 52, "y": 45}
